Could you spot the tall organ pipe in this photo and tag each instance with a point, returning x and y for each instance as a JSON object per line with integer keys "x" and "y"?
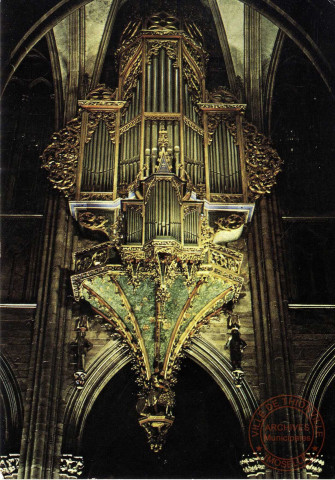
{"x": 169, "y": 90}
{"x": 148, "y": 88}
{"x": 98, "y": 161}
{"x": 176, "y": 90}
{"x": 230, "y": 186}
{"x": 155, "y": 84}
{"x": 162, "y": 80}
{"x": 222, "y": 159}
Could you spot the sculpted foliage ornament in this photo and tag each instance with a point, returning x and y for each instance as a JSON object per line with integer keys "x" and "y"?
{"x": 262, "y": 160}
{"x": 60, "y": 158}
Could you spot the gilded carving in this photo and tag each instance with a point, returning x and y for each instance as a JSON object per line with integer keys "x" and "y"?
{"x": 101, "y": 92}
{"x": 170, "y": 46}
{"x": 194, "y": 127}
{"x": 130, "y": 80}
{"x": 262, "y": 161}
{"x": 92, "y": 221}
{"x": 60, "y": 158}
{"x": 222, "y": 95}
{"x": 162, "y": 21}
{"x": 226, "y": 198}
{"x": 130, "y": 124}
{"x": 96, "y": 196}
{"x": 127, "y": 54}
{"x": 94, "y": 118}
{"x": 194, "y": 32}
{"x": 232, "y": 222}
{"x": 192, "y": 81}
{"x": 239, "y": 107}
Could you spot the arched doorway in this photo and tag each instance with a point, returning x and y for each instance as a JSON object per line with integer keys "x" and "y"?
{"x": 206, "y": 440}
{"x": 328, "y": 414}
{"x": 11, "y": 410}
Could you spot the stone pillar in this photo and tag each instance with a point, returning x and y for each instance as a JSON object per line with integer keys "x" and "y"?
{"x": 266, "y": 262}
{"x": 41, "y": 436}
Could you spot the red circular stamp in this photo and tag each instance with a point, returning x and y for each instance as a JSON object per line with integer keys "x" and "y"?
{"x": 286, "y": 432}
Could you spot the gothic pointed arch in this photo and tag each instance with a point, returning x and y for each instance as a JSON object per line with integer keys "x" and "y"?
{"x": 115, "y": 356}
{"x": 102, "y": 369}
{"x": 319, "y": 378}
{"x": 11, "y": 406}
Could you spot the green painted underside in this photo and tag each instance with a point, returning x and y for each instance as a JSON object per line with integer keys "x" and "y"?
{"x": 142, "y": 303}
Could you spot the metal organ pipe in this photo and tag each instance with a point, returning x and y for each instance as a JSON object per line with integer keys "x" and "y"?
{"x": 231, "y": 166}
{"x": 162, "y": 92}
{"x": 160, "y": 221}
{"x": 169, "y": 90}
{"x": 98, "y": 161}
{"x": 155, "y": 84}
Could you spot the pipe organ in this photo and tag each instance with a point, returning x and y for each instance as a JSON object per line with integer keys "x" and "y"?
{"x": 162, "y": 85}
{"x": 168, "y": 173}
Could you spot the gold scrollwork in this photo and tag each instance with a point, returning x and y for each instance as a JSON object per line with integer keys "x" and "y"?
{"x": 192, "y": 81}
{"x": 131, "y": 77}
{"x": 60, "y": 158}
{"x": 194, "y": 32}
{"x": 232, "y": 222}
{"x": 92, "y": 221}
{"x": 93, "y": 121}
{"x": 262, "y": 161}
{"x": 162, "y": 21}
{"x": 96, "y": 196}
{"x": 194, "y": 127}
{"x": 127, "y": 54}
{"x": 212, "y": 123}
{"x": 199, "y": 56}
{"x": 222, "y": 95}
{"x": 101, "y": 92}
{"x": 170, "y": 46}
{"x": 130, "y": 124}
{"x": 226, "y": 198}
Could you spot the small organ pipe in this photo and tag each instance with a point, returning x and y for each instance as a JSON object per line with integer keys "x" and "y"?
{"x": 222, "y": 159}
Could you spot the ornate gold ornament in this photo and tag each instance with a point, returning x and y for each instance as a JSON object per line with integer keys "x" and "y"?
{"x": 162, "y": 21}
{"x": 170, "y": 46}
{"x": 193, "y": 82}
{"x": 262, "y": 160}
{"x": 101, "y": 92}
{"x": 94, "y": 118}
{"x": 60, "y": 158}
{"x": 221, "y": 95}
{"x": 232, "y": 222}
{"x": 131, "y": 78}
{"x": 92, "y": 221}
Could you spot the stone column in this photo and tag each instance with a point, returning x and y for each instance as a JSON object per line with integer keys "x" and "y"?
{"x": 41, "y": 436}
